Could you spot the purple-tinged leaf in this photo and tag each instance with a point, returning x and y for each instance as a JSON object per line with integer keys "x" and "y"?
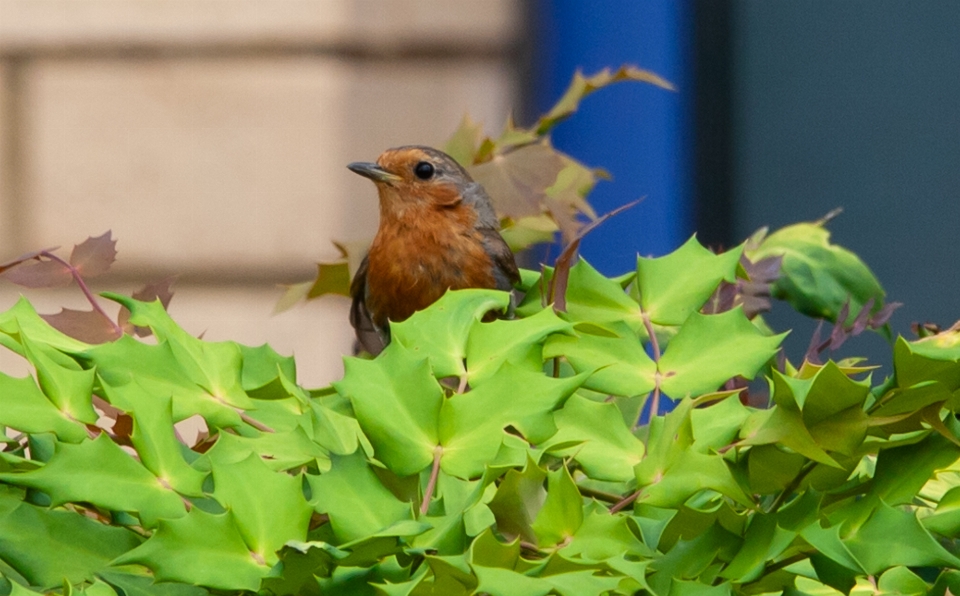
{"x": 862, "y": 321}
{"x": 42, "y": 274}
{"x": 815, "y": 347}
{"x": 86, "y": 325}
{"x": 24, "y": 258}
{"x": 839, "y": 333}
{"x": 94, "y": 255}
{"x": 880, "y": 318}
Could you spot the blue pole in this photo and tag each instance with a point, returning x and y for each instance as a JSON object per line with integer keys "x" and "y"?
{"x": 639, "y": 133}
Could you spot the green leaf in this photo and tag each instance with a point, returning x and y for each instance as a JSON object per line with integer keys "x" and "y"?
{"x": 200, "y": 548}
{"x": 562, "y": 512}
{"x": 900, "y": 580}
{"x": 154, "y": 438}
{"x": 818, "y": 278}
{"x": 517, "y": 341}
{"x": 618, "y": 364}
{"x": 711, "y": 349}
{"x": 914, "y": 547}
{"x": 507, "y": 582}
{"x": 280, "y": 451}
{"x": 930, "y": 359}
{"x": 593, "y": 298}
{"x": 143, "y": 585}
{"x": 46, "y": 546}
{"x": 602, "y": 536}
{"x": 62, "y": 380}
{"x": 25, "y": 408}
{"x": 440, "y": 332}
{"x": 594, "y": 435}
{"x": 23, "y": 321}
{"x": 354, "y": 498}
{"x": 397, "y": 403}
{"x": 262, "y": 368}
{"x": 99, "y": 472}
{"x": 471, "y": 422}
{"x": 266, "y": 517}
{"x": 674, "y": 286}
{"x": 518, "y": 500}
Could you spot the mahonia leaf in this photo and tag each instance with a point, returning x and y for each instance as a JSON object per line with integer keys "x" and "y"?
{"x": 581, "y": 86}
{"x": 356, "y": 501}
{"x": 24, "y": 258}
{"x": 440, "y": 331}
{"x": 593, "y": 434}
{"x": 397, "y": 403}
{"x": 674, "y": 286}
{"x": 517, "y": 181}
{"x": 470, "y": 422}
{"x": 25, "y": 408}
{"x": 270, "y": 515}
{"x": 99, "y": 472}
{"x": 817, "y": 277}
{"x": 524, "y": 232}
{"x": 518, "y": 500}
{"x": 93, "y": 256}
{"x": 48, "y": 546}
{"x": 88, "y": 326}
{"x": 562, "y": 512}
{"x": 42, "y": 274}
{"x": 200, "y": 548}
{"x": 159, "y": 290}
{"x": 619, "y": 365}
{"x": 62, "y": 380}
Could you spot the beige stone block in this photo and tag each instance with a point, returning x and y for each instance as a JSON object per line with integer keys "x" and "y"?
{"x": 5, "y": 164}
{"x": 316, "y": 334}
{"x": 230, "y": 166}
{"x": 36, "y": 25}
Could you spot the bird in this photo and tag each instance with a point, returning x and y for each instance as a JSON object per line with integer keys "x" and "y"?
{"x": 438, "y": 231}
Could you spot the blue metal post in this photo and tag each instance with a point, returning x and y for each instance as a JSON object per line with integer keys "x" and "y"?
{"x": 641, "y": 134}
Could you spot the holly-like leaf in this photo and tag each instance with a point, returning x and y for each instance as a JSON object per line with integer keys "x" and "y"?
{"x": 619, "y": 365}
{"x": 710, "y": 349}
{"x": 25, "y": 408}
{"x": 356, "y": 501}
{"x": 465, "y": 141}
{"x": 440, "y": 331}
{"x": 397, "y": 403}
{"x": 99, "y": 472}
{"x": 562, "y": 512}
{"x": 517, "y": 180}
{"x": 47, "y": 546}
{"x": 678, "y": 284}
{"x": 93, "y": 256}
{"x": 581, "y": 86}
{"x": 518, "y": 342}
{"x": 818, "y": 277}
{"x": 62, "y": 380}
{"x": 160, "y": 290}
{"x": 42, "y": 274}
{"x": 270, "y": 515}
{"x": 88, "y": 326}
{"x": 470, "y": 423}
{"x": 594, "y": 435}
{"x": 518, "y": 500}
{"x": 200, "y": 548}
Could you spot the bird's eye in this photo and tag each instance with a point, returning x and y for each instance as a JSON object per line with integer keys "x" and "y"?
{"x": 424, "y": 170}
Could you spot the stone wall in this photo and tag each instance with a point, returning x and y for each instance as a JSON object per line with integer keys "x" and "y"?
{"x": 211, "y": 137}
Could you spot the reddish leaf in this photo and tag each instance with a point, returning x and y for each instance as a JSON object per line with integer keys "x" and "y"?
{"x": 86, "y": 325}
{"x": 517, "y": 180}
{"x": 24, "y": 258}
{"x": 880, "y": 318}
{"x": 42, "y": 274}
{"x": 862, "y": 321}
{"x": 94, "y": 256}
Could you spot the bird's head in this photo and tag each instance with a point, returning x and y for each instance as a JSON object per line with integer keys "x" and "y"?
{"x": 413, "y": 178}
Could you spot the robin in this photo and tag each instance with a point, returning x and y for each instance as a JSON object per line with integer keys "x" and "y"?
{"x": 438, "y": 231}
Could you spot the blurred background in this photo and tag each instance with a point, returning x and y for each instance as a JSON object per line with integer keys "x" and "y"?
{"x": 211, "y": 136}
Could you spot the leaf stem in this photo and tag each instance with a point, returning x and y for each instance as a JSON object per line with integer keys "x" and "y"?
{"x": 788, "y": 489}
{"x": 626, "y": 501}
{"x": 86, "y": 290}
{"x": 432, "y": 483}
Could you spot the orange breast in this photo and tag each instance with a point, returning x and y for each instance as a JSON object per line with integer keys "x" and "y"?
{"x": 414, "y": 260}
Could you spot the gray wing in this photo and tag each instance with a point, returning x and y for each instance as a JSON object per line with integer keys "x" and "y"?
{"x": 369, "y": 337}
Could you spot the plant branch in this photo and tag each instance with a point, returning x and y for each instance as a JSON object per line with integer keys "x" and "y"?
{"x": 626, "y": 501}
{"x": 788, "y": 489}
{"x": 432, "y": 483}
{"x": 599, "y": 494}
{"x": 85, "y": 289}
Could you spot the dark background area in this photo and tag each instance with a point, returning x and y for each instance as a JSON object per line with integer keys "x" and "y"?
{"x": 784, "y": 112}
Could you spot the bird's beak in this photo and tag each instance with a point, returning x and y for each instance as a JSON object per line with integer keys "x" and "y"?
{"x": 372, "y": 171}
